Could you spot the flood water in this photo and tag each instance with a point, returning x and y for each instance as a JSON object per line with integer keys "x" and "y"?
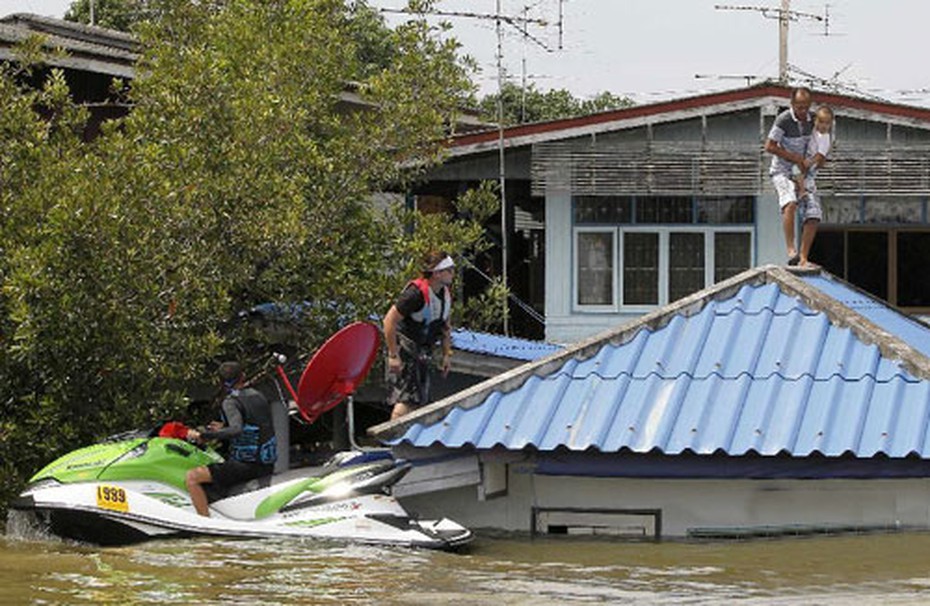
{"x": 865, "y": 569}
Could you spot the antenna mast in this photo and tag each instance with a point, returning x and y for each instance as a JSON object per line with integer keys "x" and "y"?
{"x": 784, "y": 16}
{"x": 520, "y": 23}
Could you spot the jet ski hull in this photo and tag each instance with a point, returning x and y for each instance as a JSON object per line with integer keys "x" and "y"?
{"x": 119, "y": 513}
{"x": 89, "y": 526}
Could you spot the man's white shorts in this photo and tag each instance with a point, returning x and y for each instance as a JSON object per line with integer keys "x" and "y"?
{"x": 809, "y": 208}
{"x": 785, "y": 188}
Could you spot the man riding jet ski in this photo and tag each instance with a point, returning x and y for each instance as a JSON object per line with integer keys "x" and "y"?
{"x": 134, "y": 486}
{"x": 248, "y": 425}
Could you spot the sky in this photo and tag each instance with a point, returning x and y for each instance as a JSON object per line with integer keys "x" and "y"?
{"x": 652, "y": 50}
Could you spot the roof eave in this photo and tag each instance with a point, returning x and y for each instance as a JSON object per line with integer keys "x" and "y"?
{"x": 681, "y": 109}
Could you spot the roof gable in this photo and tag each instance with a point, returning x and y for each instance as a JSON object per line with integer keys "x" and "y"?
{"x": 86, "y": 47}
{"x": 767, "y": 362}
{"x": 766, "y": 95}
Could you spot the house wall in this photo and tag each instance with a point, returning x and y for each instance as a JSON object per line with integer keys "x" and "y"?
{"x": 592, "y": 165}
{"x": 879, "y": 158}
{"x": 737, "y": 130}
{"x": 692, "y": 505}
{"x": 485, "y": 166}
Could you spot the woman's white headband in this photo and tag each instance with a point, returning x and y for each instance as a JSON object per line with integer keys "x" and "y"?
{"x": 446, "y": 263}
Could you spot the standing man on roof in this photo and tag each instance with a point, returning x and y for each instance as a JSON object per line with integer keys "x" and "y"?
{"x": 415, "y": 323}
{"x": 787, "y": 142}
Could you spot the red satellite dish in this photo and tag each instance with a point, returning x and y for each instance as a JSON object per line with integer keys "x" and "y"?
{"x": 336, "y": 369}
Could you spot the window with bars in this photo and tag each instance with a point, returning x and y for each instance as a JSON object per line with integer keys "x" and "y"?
{"x": 640, "y": 268}
{"x": 648, "y": 251}
{"x": 663, "y": 210}
{"x": 685, "y": 264}
{"x": 874, "y": 210}
{"x": 596, "y": 253}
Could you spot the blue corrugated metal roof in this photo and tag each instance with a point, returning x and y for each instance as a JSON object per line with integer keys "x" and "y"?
{"x": 909, "y": 329}
{"x": 500, "y": 346}
{"x": 748, "y": 367}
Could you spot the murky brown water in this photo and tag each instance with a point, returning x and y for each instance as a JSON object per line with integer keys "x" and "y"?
{"x": 876, "y": 569}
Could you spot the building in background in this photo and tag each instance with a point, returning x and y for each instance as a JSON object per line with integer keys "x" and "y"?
{"x": 616, "y": 214}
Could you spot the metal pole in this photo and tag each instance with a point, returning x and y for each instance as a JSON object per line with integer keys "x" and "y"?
{"x": 502, "y": 175}
{"x": 783, "y": 17}
{"x": 500, "y": 20}
{"x": 92, "y": 12}
{"x": 523, "y": 70}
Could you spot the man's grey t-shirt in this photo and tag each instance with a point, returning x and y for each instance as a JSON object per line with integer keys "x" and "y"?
{"x": 792, "y": 135}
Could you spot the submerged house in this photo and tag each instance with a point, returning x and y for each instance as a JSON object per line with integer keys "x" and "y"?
{"x": 775, "y": 401}
{"x": 619, "y": 213}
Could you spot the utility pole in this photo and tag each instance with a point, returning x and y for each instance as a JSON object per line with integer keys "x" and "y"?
{"x": 783, "y": 42}
{"x": 501, "y": 161}
{"x": 522, "y": 69}
{"x": 784, "y": 16}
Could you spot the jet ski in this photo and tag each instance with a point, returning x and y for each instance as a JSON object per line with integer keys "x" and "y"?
{"x": 131, "y": 487}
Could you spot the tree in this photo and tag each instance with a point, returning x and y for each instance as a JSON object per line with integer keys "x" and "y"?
{"x": 237, "y": 179}
{"x": 604, "y": 101}
{"x": 372, "y": 38}
{"x": 113, "y": 14}
{"x": 532, "y": 105}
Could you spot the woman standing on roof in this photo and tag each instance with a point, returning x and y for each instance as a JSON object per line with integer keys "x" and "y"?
{"x": 419, "y": 318}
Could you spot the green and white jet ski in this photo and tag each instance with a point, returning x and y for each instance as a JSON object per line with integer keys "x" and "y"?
{"x": 132, "y": 487}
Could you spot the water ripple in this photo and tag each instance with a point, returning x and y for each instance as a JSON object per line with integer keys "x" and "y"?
{"x": 833, "y": 571}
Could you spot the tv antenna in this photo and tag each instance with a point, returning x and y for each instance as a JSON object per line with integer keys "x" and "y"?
{"x": 835, "y": 84}
{"x": 520, "y": 23}
{"x": 784, "y": 15}
{"x": 747, "y": 77}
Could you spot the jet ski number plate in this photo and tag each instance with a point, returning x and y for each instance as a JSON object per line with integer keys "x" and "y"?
{"x": 112, "y": 497}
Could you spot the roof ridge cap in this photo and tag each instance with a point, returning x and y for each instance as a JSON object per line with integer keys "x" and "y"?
{"x": 890, "y": 345}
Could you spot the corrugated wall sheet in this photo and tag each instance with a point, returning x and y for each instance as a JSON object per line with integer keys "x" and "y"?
{"x": 586, "y": 167}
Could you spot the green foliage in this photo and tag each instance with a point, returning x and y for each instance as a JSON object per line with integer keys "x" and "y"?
{"x": 372, "y": 39}
{"x": 532, "y": 105}
{"x": 485, "y": 312}
{"x": 113, "y": 14}
{"x": 239, "y": 178}
{"x": 604, "y": 101}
